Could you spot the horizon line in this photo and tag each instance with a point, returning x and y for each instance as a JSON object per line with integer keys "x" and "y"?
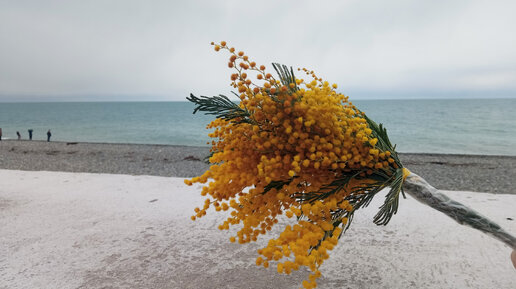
{"x": 236, "y": 100}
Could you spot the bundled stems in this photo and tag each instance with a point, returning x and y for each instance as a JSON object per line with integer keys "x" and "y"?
{"x": 418, "y": 188}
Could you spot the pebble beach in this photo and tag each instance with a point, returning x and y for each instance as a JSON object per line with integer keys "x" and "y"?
{"x": 479, "y": 173}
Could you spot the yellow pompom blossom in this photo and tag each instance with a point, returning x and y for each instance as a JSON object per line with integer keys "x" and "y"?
{"x": 291, "y": 147}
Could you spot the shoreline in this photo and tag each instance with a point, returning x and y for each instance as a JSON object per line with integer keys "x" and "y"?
{"x": 479, "y": 173}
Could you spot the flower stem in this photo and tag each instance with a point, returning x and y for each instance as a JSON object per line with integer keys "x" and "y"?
{"x": 418, "y": 188}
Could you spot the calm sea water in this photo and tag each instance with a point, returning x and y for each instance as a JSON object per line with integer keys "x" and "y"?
{"x": 468, "y": 126}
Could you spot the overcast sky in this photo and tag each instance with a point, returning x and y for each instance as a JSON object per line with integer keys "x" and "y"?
{"x": 159, "y": 50}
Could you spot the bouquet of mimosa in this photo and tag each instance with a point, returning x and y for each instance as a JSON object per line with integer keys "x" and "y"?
{"x": 298, "y": 148}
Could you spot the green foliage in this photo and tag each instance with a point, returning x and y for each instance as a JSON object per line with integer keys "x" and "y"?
{"x": 286, "y": 77}
{"x": 221, "y": 107}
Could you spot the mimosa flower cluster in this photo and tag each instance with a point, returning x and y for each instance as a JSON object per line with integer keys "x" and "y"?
{"x": 291, "y": 142}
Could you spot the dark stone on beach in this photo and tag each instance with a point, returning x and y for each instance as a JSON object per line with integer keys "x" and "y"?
{"x": 191, "y": 158}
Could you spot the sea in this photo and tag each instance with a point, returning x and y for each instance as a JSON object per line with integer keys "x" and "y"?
{"x": 450, "y": 126}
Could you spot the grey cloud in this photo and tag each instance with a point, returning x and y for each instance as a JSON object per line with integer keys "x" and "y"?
{"x": 159, "y": 50}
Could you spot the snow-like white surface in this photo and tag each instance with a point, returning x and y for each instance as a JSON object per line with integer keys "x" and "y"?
{"x": 78, "y": 230}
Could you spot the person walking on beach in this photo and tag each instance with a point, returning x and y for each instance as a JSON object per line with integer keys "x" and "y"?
{"x": 30, "y": 133}
{"x": 19, "y": 135}
{"x": 49, "y": 134}
{"x": 0, "y": 133}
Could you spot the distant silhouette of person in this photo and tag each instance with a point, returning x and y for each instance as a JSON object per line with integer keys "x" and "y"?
{"x": 49, "y": 134}
{"x": 19, "y": 135}
{"x": 30, "y": 134}
{"x": 0, "y": 133}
